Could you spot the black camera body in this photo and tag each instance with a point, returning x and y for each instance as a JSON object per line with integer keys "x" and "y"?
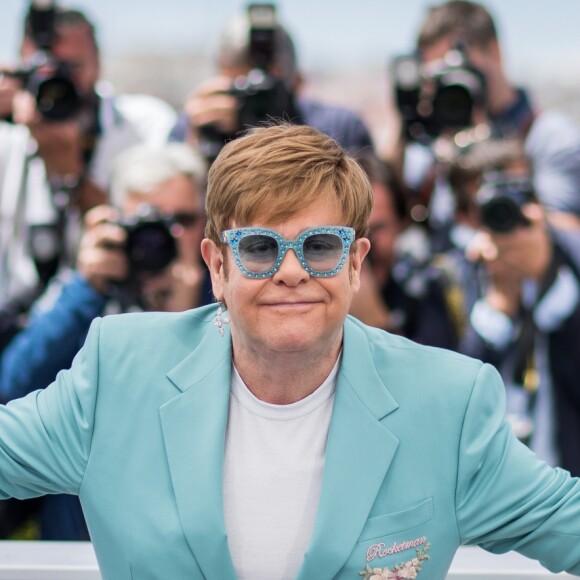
{"x": 500, "y": 201}
{"x": 151, "y": 245}
{"x": 260, "y": 96}
{"x": 439, "y": 98}
{"x": 47, "y": 78}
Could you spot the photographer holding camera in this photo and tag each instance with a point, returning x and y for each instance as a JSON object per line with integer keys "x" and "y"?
{"x": 401, "y": 289}
{"x": 520, "y": 277}
{"x": 258, "y": 81}
{"x": 71, "y": 127}
{"x": 141, "y": 255}
{"x": 455, "y": 90}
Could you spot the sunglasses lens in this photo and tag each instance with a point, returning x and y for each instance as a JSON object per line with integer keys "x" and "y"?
{"x": 258, "y": 253}
{"x": 322, "y": 252}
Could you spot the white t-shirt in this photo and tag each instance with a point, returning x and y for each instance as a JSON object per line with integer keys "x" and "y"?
{"x": 274, "y": 461}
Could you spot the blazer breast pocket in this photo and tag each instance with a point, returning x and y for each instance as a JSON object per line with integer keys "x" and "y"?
{"x": 396, "y": 522}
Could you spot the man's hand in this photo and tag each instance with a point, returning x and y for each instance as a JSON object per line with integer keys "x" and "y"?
{"x": 524, "y": 253}
{"x": 175, "y": 289}
{"x": 59, "y": 142}
{"x": 528, "y": 250}
{"x": 60, "y": 145}
{"x": 211, "y": 104}
{"x": 9, "y": 86}
{"x": 101, "y": 258}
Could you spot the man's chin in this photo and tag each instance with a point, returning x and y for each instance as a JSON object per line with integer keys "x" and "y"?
{"x": 298, "y": 339}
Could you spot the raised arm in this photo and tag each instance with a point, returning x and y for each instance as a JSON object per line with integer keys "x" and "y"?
{"x": 45, "y": 438}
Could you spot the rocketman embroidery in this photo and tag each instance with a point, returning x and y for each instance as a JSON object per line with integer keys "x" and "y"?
{"x": 402, "y": 571}
{"x": 380, "y": 550}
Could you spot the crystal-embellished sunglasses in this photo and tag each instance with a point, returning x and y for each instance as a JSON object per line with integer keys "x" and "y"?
{"x": 259, "y": 252}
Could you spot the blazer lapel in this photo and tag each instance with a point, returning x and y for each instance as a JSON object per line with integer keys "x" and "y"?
{"x": 359, "y": 452}
{"x": 194, "y": 424}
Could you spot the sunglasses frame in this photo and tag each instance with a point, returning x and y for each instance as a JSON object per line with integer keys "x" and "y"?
{"x": 234, "y": 236}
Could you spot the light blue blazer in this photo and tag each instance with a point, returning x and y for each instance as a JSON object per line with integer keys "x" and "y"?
{"x": 419, "y": 459}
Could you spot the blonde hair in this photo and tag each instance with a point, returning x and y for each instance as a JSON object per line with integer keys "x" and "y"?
{"x": 279, "y": 170}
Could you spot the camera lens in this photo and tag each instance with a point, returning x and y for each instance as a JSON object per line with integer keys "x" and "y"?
{"x": 452, "y": 107}
{"x": 56, "y": 97}
{"x": 501, "y": 214}
{"x": 150, "y": 247}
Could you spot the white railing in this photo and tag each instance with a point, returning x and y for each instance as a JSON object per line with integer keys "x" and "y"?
{"x": 76, "y": 561}
{"x": 48, "y": 561}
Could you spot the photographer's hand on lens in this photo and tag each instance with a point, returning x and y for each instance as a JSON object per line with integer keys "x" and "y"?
{"x": 101, "y": 259}
{"x": 527, "y": 249}
{"x": 523, "y": 253}
{"x": 60, "y": 145}
{"x": 210, "y": 104}
{"x": 503, "y": 292}
{"x": 105, "y": 264}
{"x": 59, "y": 142}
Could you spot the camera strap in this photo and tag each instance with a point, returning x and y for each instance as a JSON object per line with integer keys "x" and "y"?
{"x": 525, "y": 372}
{"x": 453, "y": 292}
{"x": 91, "y": 130}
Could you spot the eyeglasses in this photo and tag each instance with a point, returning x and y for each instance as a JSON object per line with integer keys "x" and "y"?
{"x": 259, "y": 252}
{"x": 185, "y": 219}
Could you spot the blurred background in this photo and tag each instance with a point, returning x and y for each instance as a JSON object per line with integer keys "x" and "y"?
{"x": 165, "y": 48}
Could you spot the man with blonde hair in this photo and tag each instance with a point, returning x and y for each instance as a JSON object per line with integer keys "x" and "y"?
{"x": 284, "y": 439}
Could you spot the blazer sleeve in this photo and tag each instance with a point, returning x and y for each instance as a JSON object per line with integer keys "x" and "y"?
{"x": 507, "y": 498}
{"x": 49, "y": 343}
{"x": 45, "y": 437}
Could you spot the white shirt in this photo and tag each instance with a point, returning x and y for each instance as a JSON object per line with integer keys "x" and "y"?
{"x": 274, "y": 462}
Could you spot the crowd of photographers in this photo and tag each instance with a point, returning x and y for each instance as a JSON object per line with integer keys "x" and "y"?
{"x": 475, "y": 229}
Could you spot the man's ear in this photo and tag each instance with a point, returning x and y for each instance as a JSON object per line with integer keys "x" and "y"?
{"x": 213, "y": 257}
{"x": 357, "y": 256}
{"x": 362, "y": 248}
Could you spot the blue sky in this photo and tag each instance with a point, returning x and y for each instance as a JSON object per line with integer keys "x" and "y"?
{"x": 537, "y": 35}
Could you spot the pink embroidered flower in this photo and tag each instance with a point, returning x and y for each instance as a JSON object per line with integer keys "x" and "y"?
{"x": 408, "y": 570}
{"x": 404, "y": 571}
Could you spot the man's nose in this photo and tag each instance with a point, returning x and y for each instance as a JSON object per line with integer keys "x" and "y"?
{"x": 291, "y": 271}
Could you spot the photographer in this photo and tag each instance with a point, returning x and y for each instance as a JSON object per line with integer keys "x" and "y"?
{"x": 401, "y": 291}
{"x": 258, "y": 81}
{"x": 73, "y": 130}
{"x": 520, "y": 275}
{"x": 128, "y": 260}
{"x": 460, "y": 55}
